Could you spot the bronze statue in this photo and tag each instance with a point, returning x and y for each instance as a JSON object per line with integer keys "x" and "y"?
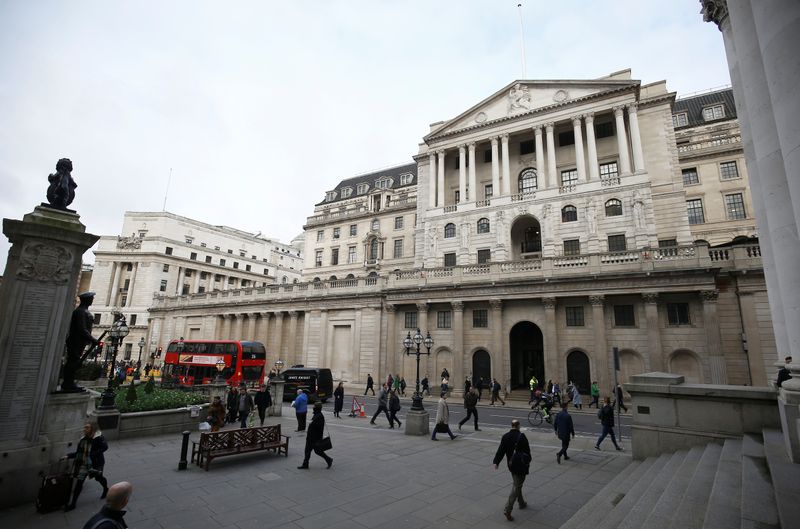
{"x": 78, "y": 337}
{"x": 61, "y": 191}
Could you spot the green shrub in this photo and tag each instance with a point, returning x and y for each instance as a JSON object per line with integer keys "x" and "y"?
{"x": 150, "y": 386}
{"x": 159, "y": 399}
{"x": 130, "y": 395}
{"x": 89, "y": 371}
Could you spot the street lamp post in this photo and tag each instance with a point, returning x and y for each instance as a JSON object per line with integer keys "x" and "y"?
{"x": 409, "y": 343}
{"x": 279, "y": 365}
{"x": 142, "y": 343}
{"x": 119, "y": 330}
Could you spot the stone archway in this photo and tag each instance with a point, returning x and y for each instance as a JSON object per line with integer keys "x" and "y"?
{"x": 578, "y": 371}
{"x": 481, "y": 367}
{"x": 684, "y": 362}
{"x": 444, "y": 359}
{"x": 527, "y": 354}
{"x": 630, "y": 363}
{"x": 526, "y": 238}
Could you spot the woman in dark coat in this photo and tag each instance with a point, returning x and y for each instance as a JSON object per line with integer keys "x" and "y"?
{"x": 263, "y": 400}
{"x": 314, "y": 435}
{"x": 338, "y": 400}
{"x": 88, "y": 461}
{"x": 233, "y": 404}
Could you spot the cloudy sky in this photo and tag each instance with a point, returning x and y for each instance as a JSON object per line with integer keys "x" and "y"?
{"x": 259, "y": 107}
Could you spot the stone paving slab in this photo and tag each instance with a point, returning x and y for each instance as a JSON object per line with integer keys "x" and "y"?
{"x": 379, "y": 476}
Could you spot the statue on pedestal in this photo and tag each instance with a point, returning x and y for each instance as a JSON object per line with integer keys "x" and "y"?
{"x": 78, "y": 337}
{"x": 61, "y": 191}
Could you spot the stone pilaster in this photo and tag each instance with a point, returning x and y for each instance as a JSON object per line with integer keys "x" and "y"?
{"x": 432, "y": 182}
{"x": 387, "y": 344}
{"x": 501, "y": 357}
{"x": 716, "y": 360}
{"x": 461, "y": 369}
{"x": 591, "y": 147}
{"x": 473, "y": 182}
{"x": 755, "y": 356}
{"x": 654, "y": 350}
{"x": 636, "y": 138}
{"x": 506, "y": 166}
{"x": 541, "y": 172}
{"x": 552, "y": 365}
{"x": 622, "y": 142}
{"x": 292, "y": 352}
{"x": 462, "y": 173}
{"x": 440, "y": 179}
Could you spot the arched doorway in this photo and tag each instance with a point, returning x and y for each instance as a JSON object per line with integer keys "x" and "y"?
{"x": 444, "y": 359}
{"x": 578, "y": 371}
{"x": 685, "y": 363}
{"x": 630, "y": 363}
{"x": 481, "y": 367}
{"x": 527, "y": 354}
{"x": 526, "y": 238}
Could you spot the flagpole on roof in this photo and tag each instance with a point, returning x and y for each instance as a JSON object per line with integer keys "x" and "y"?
{"x": 522, "y": 40}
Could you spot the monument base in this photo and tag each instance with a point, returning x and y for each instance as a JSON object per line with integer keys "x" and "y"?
{"x": 276, "y": 388}
{"x": 417, "y": 422}
{"x": 107, "y": 422}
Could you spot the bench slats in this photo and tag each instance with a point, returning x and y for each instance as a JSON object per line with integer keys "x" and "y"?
{"x": 241, "y": 441}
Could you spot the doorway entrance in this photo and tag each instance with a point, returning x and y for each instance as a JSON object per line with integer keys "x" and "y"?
{"x": 527, "y": 354}
{"x": 578, "y": 371}
{"x": 481, "y": 368}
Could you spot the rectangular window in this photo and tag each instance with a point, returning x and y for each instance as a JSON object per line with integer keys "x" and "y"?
{"x": 187, "y": 273}
{"x": 353, "y": 230}
{"x": 667, "y": 243}
{"x": 123, "y": 300}
{"x": 128, "y": 350}
{"x": 734, "y": 206}
{"x": 320, "y": 235}
{"x": 236, "y": 265}
{"x": 608, "y": 170}
{"x": 208, "y": 258}
{"x": 456, "y": 196}
{"x": 168, "y": 251}
{"x": 569, "y": 177}
{"x": 604, "y": 130}
{"x": 230, "y": 252}
{"x": 185, "y": 289}
{"x": 480, "y": 318}
{"x": 266, "y": 271}
{"x": 203, "y": 275}
{"x": 572, "y": 247}
{"x": 242, "y": 253}
{"x": 526, "y": 147}
{"x": 484, "y": 256}
{"x": 165, "y": 268}
{"x": 487, "y": 156}
{"x": 336, "y": 233}
{"x": 450, "y": 259}
{"x": 566, "y": 138}
{"x": 690, "y": 176}
{"x": 193, "y": 256}
{"x": 444, "y": 319}
{"x": 202, "y": 245}
{"x": 222, "y": 262}
{"x": 189, "y": 240}
{"x": 246, "y": 268}
{"x": 231, "y": 280}
{"x": 410, "y": 320}
{"x": 351, "y": 254}
{"x": 318, "y": 258}
{"x": 678, "y": 313}
{"x": 728, "y": 171}
{"x": 488, "y": 191}
{"x": 623, "y": 316}
{"x": 97, "y": 316}
{"x": 200, "y": 290}
{"x": 398, "y": 223}
{"x": 132, "y": 320}
{"x": 694, "y": 208}
{"x": 334, "y": 256}
{"x": 616, "y": 243}
{"x": 163, "y": 287}
{"x": 574, "y": 316}
{"x": 715, "y": 112}
{"x": 680, "y": 120}
{"x": 398, "y": 248}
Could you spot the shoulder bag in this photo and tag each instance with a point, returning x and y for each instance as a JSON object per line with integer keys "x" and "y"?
{"x": 324, "y": 444}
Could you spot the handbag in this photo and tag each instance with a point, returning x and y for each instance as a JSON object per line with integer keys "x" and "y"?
{"x": 520, "y": 461}
{"x": 441, "y": 427}
{"x": 324, "y": 444}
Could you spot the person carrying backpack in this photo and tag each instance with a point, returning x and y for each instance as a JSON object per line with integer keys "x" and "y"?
{"x": 514, "y": 446}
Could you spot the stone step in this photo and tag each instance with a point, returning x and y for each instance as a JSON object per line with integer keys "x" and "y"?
{"x": 759, "y": 510}
{"x": 653, "y": 495}
{"x": 724, "y": 503}
{"x": 608, "y": 496}
{"x": 692, "y": 508}
{"x": 664, "y": 511}
{"x": 785, "y": 478}
{"x": 624, "y": 506}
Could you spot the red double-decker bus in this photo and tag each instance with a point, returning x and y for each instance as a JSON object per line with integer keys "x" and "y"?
{"x": 193, "y": 362}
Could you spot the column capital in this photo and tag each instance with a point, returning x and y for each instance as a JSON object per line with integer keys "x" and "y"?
{"x": 650, "y": 297}
{"x": 576, "y": 120}
{"x": 458, "y": 306}
{"x": 494, "y": 141}
{"x": 589, "y": 117}
{"x": 504, "y": 137}
{"x": 496, "y": 303}
{"x": 632, "y": 107}
{"x": 549, "y": 303}
{"x": 471, "y": 145}
{"x": 709, "y": 296}
{"x": 390, "y": 308}
{"x": 422, "y": 306}
{"x": 618, "y": 109}
{"x": 278, "y": 315}
{"x": 432, "y": 156}
{"x": 537, "y": 129}
{"x": 440, "y": 152}
{"x": 549, "y": 127}
{"x": 597, "y": 300}
{"x": 293, "y": 314}
{"x": 462, "y": 148}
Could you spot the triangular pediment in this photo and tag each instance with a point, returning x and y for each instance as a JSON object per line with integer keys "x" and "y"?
{"x": 528, "y": 97}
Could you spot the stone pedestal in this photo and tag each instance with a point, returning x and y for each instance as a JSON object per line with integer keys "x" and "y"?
{"x": 789, "y": 407}
{"x": 107, "y": 420}
{"x": 37, "y": 296}
{"x": 417, "y": 422}
{"x": 276, "y": 388}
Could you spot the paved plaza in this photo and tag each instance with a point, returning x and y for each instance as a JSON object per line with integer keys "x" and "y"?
{"x": 379, "y": 477}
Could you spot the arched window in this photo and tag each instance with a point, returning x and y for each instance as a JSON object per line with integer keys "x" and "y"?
{"x": 569, "y": 214}
{"x": 527, "y": 181}
{"x": 373, "y": 249}
{"x": 449, "y": 231}
{"x": 284, "y": 279}
{"x": 332, "y": 278}
{"x": 483, "y": 225}
{"x": 613, "y": 208}
{"x": 350, "y": 276}
{"x": 295, "y": 281}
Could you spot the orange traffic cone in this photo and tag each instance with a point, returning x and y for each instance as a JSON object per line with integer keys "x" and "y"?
{"x": 363, "y": 411}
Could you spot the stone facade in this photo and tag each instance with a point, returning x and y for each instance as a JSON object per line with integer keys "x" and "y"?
{"x": 540, "y": 228}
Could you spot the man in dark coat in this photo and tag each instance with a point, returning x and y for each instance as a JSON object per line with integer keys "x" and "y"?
{"x": 263, "y": 400}
{"x": 88, "y": 462}
{"x": 78, "y": 337}
{"x": 383, "y": 405}
{"x": 564, "y": 429}
{"x": 232, "y": 403}
{"x": 606, "y": 416}
{"x": 471, "y": 405}
{"x": 314, "y": 435}
{"x": 370, "y": 385}
{"x": 620, "y": 402}
{"x": 514, "y": 441}
{"x": 394, "y": 407}
{"x": 111, "y": 516}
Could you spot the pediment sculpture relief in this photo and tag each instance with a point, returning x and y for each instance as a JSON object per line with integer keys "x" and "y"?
{"x": 519, "y": 99}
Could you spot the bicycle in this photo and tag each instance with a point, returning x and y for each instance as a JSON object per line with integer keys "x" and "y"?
{"x": 535, "y": 417}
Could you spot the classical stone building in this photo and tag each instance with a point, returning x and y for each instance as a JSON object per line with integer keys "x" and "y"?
{"x": 536, "y": 231}
{"x": 166, "y": 254}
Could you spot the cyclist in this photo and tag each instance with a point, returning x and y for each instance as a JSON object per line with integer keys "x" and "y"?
{"x": 546, "y": 404}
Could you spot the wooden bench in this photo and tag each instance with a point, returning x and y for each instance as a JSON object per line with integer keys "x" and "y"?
{"x": 238, "y": 441}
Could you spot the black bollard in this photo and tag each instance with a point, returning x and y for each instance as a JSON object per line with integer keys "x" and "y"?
{"x": 184, "y": 449}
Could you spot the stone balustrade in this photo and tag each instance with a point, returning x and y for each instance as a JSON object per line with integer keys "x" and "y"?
{"x": 709, "y": 144}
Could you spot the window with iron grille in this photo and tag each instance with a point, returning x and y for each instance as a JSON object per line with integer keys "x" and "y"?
{"x": 222, "y": 262}
{"x": 483, "y": 225}
{"x": 444, "y": 319}
{"x": 456, "y": 196}
{"x": 734, "y": 206}
{"x": 613, "y": 208}
{"x": 163, "y": 287}
{"x": 690, "y": 176}
{"x": 236, "y": 265}
{"x": 132, "y": 320}
{"x": 678, "y": 313}
{"x": 616, "y": 243}
{"x": 569, "y": 213}
{"x": 480, "y": 318}
{"x": 574, "y": 316}
{"x": 484, "y": 256}
{"x": 569, "y": 177}
{"x": 572, "y": 247}
{"x": 728, "y": 171}
{"x": 694, "y": 209}
{"x": 608, "y": 170}
{"x": 247, "y": 268}
{"x": 624, "y": 316}
{"x": 449, "y": 231}
{"x": 527, "y": 181}
{"x": 450, "y": 259}
{"x": 208, "y": 258}
{"x": 165, "y": 268}
{"x": 410, "y": 320}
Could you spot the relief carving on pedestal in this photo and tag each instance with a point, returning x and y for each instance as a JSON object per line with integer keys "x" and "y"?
{"x": 45, "y": 263}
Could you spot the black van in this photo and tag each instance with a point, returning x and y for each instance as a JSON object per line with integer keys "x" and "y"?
{"x": 317, "y": 382}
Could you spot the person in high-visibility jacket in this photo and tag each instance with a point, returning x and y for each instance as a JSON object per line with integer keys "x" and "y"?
{"x": 533, "y": 385}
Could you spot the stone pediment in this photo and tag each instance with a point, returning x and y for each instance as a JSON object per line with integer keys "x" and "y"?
{"x": 528, "y": 97}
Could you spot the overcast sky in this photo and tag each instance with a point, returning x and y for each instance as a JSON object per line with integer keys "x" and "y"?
{"x": 260, "y": 107}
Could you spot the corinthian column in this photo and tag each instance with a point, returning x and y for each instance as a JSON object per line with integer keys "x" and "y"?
{"x": 432, "y": 177}
{"x": 495, "y": 169}
{"x": 622, "y": 142}
{"x": 591, "y": 147}
{"x": 440, "y": 179}
{"x": 601, "y": 350}
{"x": 473, "y": 182}
{"x": 462, "y": 173}
{"x": 552, "y": 177}
{"x": 636, "y": 139}
{"x": 579, "y": 159}
{"x": 506, "y": 167}
{"x": 541, "y": 173}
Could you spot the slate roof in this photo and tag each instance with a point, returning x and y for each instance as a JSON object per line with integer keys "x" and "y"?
{"x": 370, "y": 178}
{"x": 694, "y": 105}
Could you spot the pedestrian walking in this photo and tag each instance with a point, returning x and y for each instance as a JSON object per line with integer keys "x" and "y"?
{"x": 383, "y": 405}
{"x": 606, "y": 416}
{"x": 467, "y": 385}
{"x": 620, "y": 403}
{"x": 514, "y": 446}
{"x": 576, "y": 397}
{"x": 88, "y": 462}
{"x": 394, "y": 407}
{"x": 263, "y": 401}
{"x": 370, "y": 384}
{"x": 245, "y": 406}
{"x": 445, "y": 373}
{"x": 783, "y": 373}
{"x": 232, "y": 403}
{"x": 471, "y": 405}
{"x": 389, "y": 382}
{"x": 496, "y": 392}
{"x": 442, "y": 418}
{"x": 338, "y": 400}
{"x": 595, "y": 392}
{"x": 111, "y": 516}
{"x": 556, "y": 392}
{"x": 445, "y": 386}
{"x": 403, "y": 386}
{"x": 479, "y": 384}
{"x": 564, "y": 429}
{"x": 216, "y": 414}
{"x": 396, "y": 383}
{"x": 300, "y": 405}
{"x": 316, "y": 431}
{"x": 425, "y": 387}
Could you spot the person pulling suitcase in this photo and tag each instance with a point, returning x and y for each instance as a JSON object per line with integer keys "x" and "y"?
{"x": 88, "y": 462}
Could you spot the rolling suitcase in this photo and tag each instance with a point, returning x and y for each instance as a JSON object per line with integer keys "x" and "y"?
{"x": 55, "y": 490}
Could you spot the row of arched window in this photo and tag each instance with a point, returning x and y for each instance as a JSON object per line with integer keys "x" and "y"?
{"x": 450, "y": 228}
{"x": 569, "y": 213}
